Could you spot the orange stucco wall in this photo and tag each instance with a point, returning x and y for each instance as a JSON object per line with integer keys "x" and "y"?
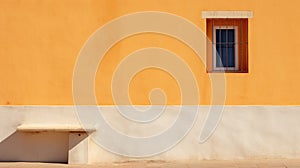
{"x": 40, "y": 41}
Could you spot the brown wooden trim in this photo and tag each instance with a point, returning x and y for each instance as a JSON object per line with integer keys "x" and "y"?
{"x": 242, "y": 24}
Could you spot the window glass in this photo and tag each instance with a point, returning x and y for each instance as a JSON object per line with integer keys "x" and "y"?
{"x": 225, "y": 46}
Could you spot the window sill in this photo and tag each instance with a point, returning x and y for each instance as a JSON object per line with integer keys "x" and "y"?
{"x": 227, "y": 71}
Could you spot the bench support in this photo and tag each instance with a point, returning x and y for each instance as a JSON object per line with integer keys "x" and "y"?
{"x": 78, "y": 148}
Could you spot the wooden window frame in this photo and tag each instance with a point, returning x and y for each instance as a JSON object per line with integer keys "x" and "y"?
{"x": 241, "y": 24}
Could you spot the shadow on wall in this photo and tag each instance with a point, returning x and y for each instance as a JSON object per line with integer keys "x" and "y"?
{"x": 37, "y": 147}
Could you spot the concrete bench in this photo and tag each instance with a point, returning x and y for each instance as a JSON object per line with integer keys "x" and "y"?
{"x": 54, "y": 128}
{"x": 78, "y": 138}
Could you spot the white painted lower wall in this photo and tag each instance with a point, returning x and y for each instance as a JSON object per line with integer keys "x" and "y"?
{"x": 243, "y": 132}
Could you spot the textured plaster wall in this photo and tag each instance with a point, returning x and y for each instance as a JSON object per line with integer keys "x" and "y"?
{"x": 40, "y": 41}
{"x": 244, "y": 132}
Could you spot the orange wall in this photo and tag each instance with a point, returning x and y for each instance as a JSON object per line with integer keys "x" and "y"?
{"x": 40, "y": 41}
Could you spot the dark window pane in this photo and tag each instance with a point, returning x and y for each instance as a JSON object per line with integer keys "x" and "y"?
{"x": 225, "y": 47}
{"x": 218, "y": 55}
{"x": 224, "y": 55}
{"x": 223, "y": 35}
{"x": 218, "y": 31}
{"x": 231, "y": 53}
{"x": 230, "y": 35}
{"x": 218, "y": 35}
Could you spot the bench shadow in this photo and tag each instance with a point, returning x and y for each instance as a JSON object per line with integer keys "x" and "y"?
{"x": 51, "y": 147}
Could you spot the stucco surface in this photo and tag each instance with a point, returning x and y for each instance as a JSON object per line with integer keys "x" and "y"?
{"x": 244, "y": 132}
{"x": 40, "y": 41}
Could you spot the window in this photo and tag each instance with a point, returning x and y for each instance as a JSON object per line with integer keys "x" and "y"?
{"x": 226, "y": 48}
{"x": 227, "y": 45}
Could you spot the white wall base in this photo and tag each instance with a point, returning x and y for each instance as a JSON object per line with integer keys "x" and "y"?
{"x": 244, "y": 132}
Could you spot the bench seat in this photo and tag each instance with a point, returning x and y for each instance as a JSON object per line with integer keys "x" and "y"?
{"x": 53, "y": 128}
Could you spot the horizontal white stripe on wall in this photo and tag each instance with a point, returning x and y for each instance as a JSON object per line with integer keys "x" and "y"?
{"x": 243, "y": 131}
